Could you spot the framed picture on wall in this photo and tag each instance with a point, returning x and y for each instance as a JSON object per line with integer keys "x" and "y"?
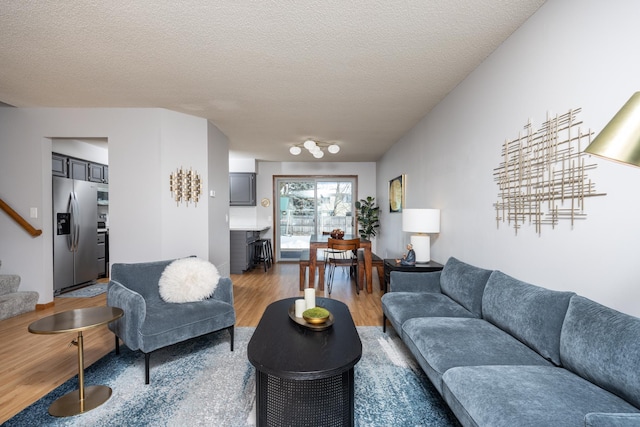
{"x": 396, "y": 194}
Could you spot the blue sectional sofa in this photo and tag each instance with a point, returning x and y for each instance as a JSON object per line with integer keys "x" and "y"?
{"x": 503, "y": 352}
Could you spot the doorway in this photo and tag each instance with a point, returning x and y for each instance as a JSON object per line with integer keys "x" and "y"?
{"x": 312, "y": 205}
{"x": 80, "y": 172}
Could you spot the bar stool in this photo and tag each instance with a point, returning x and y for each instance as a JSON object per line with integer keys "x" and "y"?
{"x": 263, "y": 253}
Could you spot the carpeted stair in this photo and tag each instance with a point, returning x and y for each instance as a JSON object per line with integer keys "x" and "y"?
{"x": 12, "y": 301}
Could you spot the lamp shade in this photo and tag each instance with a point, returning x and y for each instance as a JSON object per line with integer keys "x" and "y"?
{"x": 620, "y": 138}
{"x": 421, "y": 220}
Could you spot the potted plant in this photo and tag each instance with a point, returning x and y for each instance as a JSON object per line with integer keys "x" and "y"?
{"x": 367, "y": 215}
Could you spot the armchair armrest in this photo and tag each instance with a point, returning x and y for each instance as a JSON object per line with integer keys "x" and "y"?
{"x": 224, "y": 290}
{"x": 403, "y": 281}
{"x": 135, "y": 311}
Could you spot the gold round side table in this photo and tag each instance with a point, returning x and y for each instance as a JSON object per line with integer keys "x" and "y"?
{"x": 78, "y": 320}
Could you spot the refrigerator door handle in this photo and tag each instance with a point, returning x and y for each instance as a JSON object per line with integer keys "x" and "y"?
{"x": 75, "y": 226}
{"x": 71, "y": 217}
{"x": 77, "y": 222}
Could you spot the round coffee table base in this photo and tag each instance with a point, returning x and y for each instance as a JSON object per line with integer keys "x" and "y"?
{"x": 70, "y": 404}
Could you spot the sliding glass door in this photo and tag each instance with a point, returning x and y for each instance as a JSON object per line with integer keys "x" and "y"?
{"x": 312, "y": 206}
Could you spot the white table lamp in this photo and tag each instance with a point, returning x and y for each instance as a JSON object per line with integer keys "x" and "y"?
{"x": 421, "y": 222}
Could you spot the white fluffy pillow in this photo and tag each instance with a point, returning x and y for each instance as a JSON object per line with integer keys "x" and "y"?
{"x": 188, "y": 280}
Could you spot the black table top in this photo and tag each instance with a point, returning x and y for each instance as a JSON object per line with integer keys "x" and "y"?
{"x": 285, "y": 349}
{"x": 427, "y": 266}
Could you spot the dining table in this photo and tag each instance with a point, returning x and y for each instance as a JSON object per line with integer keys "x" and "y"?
{"x": 320, "y": 241}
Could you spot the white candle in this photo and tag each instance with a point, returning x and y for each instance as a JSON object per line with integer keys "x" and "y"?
{"x": 310, "y": 297}
{"x": 301, "y": 305}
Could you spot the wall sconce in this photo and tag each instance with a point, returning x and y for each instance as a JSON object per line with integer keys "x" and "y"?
{"x": 620, "y": 138}
{"x": 315, "y": 148}
{"x": 421, "y": 221}
{"x": 185, "y": 186}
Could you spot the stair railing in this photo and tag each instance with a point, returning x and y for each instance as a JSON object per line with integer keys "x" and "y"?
{"x": 21, "y": 221}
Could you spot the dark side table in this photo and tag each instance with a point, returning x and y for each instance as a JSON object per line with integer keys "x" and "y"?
{"x": 304, "y": 377}
{"x": 391, "y": 265}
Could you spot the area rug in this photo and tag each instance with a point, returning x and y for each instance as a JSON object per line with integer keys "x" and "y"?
{"x": 86, "y": 292}
{"x": 202, "y": 383}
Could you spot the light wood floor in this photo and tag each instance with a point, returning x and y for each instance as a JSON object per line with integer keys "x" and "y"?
{"x": 33, "y": 365}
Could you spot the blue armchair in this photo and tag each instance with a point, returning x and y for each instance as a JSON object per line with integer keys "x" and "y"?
{"x": 150, "y": 323}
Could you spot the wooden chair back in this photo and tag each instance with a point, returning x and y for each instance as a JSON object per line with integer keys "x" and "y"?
{"x": 343, "y": 244}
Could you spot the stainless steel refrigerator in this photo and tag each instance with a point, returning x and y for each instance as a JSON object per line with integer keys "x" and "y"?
{"x": 75, "y": 225}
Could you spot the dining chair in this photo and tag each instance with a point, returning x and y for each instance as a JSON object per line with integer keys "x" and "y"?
{"x": 346, "y": 256}
{"x": 327, "y": 252}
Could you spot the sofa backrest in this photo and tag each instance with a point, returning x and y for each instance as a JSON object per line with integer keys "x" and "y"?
{"x": 464, "y": 284}
{"x": 602, "y": 345}
{"x": 141, "y": 277}
{"x": 532, "y": 314}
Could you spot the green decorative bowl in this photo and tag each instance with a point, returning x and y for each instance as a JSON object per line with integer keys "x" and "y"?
{"x": 316, "y": 315}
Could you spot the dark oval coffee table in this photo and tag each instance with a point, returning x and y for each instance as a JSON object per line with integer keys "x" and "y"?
{"x": 304, "y": 377}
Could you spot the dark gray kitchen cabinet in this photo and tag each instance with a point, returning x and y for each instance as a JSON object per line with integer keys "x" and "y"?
{"x": 70, "y": 167}
{"x": 96, "y": 172}
{"x": 78, "y": 169}
{"x": 59, "y": 165}
{"x": 102, "y": 254}
{"x": 242, "y": 250}
{"x": 242, "y": 189}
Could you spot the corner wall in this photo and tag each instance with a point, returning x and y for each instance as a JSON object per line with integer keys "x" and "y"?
{"x": 569, "y": 54}
{"x": 144, "y": 144}
{"x": 219, "y": 238}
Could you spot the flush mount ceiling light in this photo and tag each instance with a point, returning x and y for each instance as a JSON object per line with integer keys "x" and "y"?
{"x": 315, "y": 148}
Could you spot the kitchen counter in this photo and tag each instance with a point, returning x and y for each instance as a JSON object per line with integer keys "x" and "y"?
{"x": 242, "y": 239}
{"x": 259, "y": 229}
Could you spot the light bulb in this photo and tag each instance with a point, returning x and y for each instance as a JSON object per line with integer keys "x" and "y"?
{"x": 318, "y": 154}
{"x": 333, "y": 148}
{"x": 309, "y": 144}
{"x": 314, "y": 149}
{"x": 295, "y": 150}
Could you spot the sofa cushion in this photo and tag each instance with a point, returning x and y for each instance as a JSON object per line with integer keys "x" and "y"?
{"x": 600, "y": 419}
{"x": 530, "y": 313}
{"x": 401, "y": 306}
{"x": 464, "y": 284}
{"x": 525, "y": 396}
{"x": 423, "y": 281}
{"x": 603, "y": 346}
{"x": 443, "y": 343}
{"x": 196, "y": 318}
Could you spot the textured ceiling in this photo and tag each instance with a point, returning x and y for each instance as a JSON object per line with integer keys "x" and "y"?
{"x": 268, "y": 74}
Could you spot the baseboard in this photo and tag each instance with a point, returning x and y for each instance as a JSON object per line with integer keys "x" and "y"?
{"x": 44, "y": 306}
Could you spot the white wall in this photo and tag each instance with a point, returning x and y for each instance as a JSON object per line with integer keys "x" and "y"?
{"x": 93, "y": 152}
{"x": 183, "y": 145}
{"x": 219, "y": 239}
{"x": 143, "y": 146}
{"x": 569, "y": 54}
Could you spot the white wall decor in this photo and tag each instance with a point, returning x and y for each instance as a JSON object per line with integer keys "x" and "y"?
{"x": 542, "y": 178}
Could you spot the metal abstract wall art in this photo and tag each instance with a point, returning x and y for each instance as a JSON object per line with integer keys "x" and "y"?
{"x": 185, "y": 186}
{"x": 542, "y": 178}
